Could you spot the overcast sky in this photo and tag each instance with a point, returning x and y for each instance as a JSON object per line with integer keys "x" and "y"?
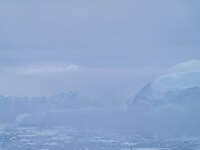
{"x": 103, "y": 48}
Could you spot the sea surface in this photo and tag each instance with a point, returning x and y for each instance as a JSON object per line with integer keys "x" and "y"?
{"x": 63, "y": 138}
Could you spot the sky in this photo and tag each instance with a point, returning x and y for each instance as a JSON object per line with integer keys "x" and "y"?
{"x": 100, "y": 48}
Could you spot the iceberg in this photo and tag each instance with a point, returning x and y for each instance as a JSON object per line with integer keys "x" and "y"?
{"x": 180, "y": 85}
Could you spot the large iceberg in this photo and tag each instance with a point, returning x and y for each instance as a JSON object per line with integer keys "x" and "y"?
{"x": 180, "y": 85}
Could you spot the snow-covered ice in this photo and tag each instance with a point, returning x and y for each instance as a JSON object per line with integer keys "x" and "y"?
{"x": 179, "y": 81}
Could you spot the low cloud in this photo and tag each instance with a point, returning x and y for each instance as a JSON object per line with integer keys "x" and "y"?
{"x": 42, "y": 69}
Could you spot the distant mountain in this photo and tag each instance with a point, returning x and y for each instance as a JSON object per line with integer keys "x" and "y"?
{"x": 65, "y": 100}
{"x": 35, "y": 110}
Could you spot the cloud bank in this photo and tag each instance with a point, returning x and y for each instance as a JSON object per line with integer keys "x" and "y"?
{"x": 44, "y": 69}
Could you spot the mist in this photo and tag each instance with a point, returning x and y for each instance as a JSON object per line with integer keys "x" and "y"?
{"x": 93, "y": 75}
